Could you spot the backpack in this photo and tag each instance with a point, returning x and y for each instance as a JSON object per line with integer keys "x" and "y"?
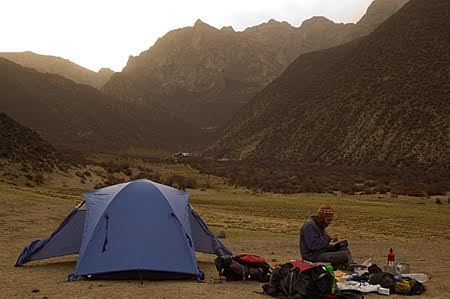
{"x": 299, "y": 280}
{"x": 243, "y": 267}
{"x": 272, "y": 288}
{"x": 408, "y": 286}
{"x": 385, "y": 279}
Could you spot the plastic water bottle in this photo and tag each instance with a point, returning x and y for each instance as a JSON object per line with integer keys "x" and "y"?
{"x": 391, "y": 258}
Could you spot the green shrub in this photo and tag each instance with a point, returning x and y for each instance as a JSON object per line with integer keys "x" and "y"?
{"x": 180, "y": 182}
{"x": 39, "y": 178}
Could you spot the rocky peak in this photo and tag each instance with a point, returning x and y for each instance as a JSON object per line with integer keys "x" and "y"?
{"x": 202, "y": 26}
{"x": 316, "y": 21}
{"x": 379, "y": 11}
{"x": 104, "y": 74}
{"x": 270, "y": 26}
{"x": 104, "y": 71}
{"x": 273, "y": 22}
{"x": 227, "y": 29}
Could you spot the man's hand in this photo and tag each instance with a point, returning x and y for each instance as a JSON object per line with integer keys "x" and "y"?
{"x": 334, "y": 238}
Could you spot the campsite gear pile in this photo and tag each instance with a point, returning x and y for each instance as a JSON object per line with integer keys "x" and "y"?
{"x": 243, "y": 267}
{"x": 135, "y": 230}
{"x": 296, "y": 279}
{"x": 385, "y": 283}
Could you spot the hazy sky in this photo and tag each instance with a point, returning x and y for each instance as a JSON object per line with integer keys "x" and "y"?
{"x": 103, "y": 33}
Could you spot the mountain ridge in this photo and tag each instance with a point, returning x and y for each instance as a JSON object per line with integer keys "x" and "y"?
{"x": 204, "y": 75}
{"x": 363, "y": 102}
{"x": 60, "y": 66}
{"x": 78, "y": 116}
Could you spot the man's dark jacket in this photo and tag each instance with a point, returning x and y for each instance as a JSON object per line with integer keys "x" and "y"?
{"x": 313, "y": 239}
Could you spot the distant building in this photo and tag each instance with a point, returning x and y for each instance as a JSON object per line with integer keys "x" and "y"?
{"x": 180, "y": 155}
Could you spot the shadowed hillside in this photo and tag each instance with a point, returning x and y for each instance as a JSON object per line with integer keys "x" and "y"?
{"x": 383, "y": 98}
{"x": 77, "y": 116}
{"x": 21, "y": 145}
{"x": 25, "y": 158}
{"x": 60, "y": 66}
{"x": 205, "y": 75}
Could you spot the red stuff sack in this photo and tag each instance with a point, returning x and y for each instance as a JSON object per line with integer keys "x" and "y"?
{"x": 243, "y": 267}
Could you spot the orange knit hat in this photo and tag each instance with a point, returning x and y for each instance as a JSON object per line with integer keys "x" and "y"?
{"x": 325, "y": 211}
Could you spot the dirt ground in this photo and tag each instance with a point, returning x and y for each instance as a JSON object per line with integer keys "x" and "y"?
{"x": 262, "y": 224}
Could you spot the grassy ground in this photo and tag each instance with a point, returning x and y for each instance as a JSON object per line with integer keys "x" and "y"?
{"x": 262, "y": 224}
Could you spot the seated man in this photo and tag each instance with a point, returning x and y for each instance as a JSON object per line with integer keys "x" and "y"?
{"x": 315, "y": 243}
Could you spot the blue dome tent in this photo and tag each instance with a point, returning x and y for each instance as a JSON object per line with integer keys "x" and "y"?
{"x": 140, "y": 229}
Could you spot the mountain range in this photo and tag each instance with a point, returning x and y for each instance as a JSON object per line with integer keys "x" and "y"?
{"x": 80, "y": 117}
{"x": 172, "y": 96}
{"x": 204, "y": 75}
{"x": 383, "y": 98}
{"x": 60, "y": 66}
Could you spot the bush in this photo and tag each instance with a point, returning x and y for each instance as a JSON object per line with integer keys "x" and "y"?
{"x": 25, "y": 168}
{"x": 110, "y": 166}
{"x": 370, "y": 183}
{"x": 99, "y": 186}
{"x": 154, "y": 176}
{"x": 29, "y": 184}
{"x": 293, "y": 176}
{"x": 124, "y": 165}
{"x": 436, "y": 189}
{"x": 39, "y": 179}
{"x": 127, "y": 172}
{"x": 181, "y": 182}
{"x": 98, "y": 172}
{"x": 139, "y": 176}
{"x": 113, "y": 180}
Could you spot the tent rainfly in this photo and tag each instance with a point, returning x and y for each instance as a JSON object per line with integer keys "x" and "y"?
{"x": 135, "y": 230}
